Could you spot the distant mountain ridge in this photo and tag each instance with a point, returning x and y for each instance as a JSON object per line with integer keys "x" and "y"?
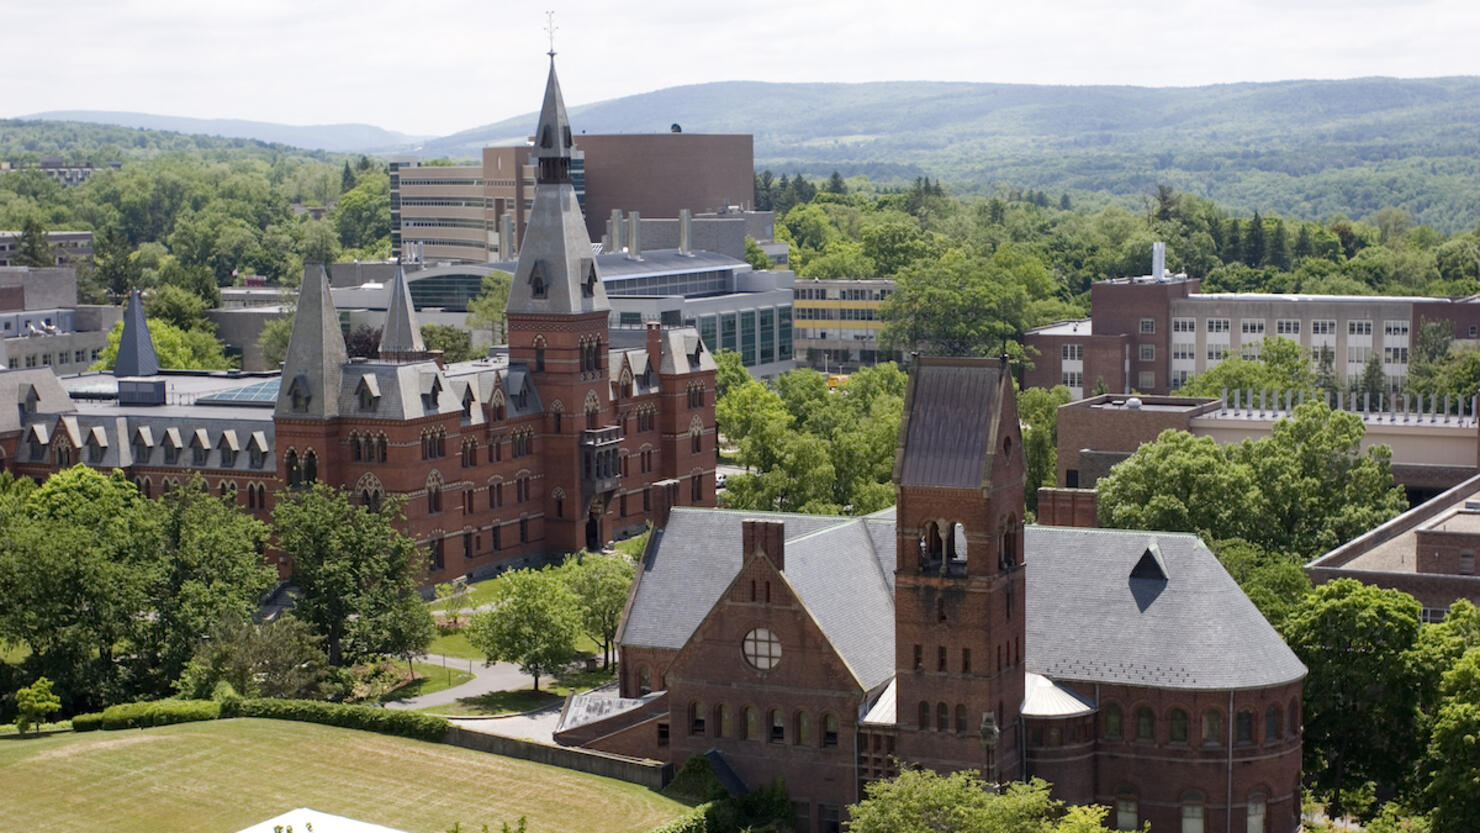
{"x": 337, "y": 138}
{"x": 1298, "y": 148}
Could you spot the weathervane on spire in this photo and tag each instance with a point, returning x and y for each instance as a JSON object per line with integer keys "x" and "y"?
{"x": 550, "y": 28}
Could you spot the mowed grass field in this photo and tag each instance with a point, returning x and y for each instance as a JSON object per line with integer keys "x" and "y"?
{"x": 221, "y": 776}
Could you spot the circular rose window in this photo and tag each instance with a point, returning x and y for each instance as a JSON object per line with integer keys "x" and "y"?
{"x": 762, "y": 649}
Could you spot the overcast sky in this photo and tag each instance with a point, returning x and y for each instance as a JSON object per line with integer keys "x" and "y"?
{"x": 438, "y": 66}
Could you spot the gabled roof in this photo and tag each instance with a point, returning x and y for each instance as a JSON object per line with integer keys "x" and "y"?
{"x": 136, "y": 356}
{"x": 684, "y": 352}
{"x": 951, "y": 410}
{"x": 831, "y": 562}
{"x": 1091, "y": 621}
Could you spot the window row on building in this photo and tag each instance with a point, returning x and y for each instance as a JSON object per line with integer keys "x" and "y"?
{"x": 794, "y": 729}
{"x": 1209, "y": 730}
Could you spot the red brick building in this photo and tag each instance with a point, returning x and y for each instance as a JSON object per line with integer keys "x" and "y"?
{"x": 562, "y": 441}
{"x": 1126, "y": 667}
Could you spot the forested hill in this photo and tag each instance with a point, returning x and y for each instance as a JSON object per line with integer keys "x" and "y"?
{"x": 342, "y": 138}
{"x": 1297, "y": 148}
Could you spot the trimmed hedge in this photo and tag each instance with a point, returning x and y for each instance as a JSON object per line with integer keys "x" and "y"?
{"x": 694, "y": 821}
{"x": 158, "y": 713}
{"x": 364, "y": 718}
{"x": 87, "y": 722}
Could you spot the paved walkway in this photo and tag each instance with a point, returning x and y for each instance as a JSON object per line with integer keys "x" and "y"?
{"x": 538, "y": 725}
{"x": 502, "y": 676}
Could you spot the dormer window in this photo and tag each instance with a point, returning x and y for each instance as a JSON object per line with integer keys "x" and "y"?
{"x": 299, "y": 396}
{"x": 368, "y": 393}
{"x": 588, "y": 285}
{"x": 547, "y": 137}
{"x": 538, "y": 284}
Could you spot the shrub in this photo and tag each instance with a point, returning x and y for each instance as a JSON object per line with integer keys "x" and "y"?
{"x": 365, "y": 718}
{"x": 158, "y": 713}
{"x": 87, "y": 722}
{"x": 694, "y": 821}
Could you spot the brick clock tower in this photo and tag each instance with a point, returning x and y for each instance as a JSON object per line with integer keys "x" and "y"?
{"x": 959, "y": 581}
{"x": 558, "y": 328}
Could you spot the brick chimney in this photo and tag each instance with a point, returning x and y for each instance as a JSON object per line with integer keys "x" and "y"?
{"x": 655, "y": 343}
{"x": 767, "y": 537}
{"x": 665, "y": 495}
{"x": 1068, "y": 507}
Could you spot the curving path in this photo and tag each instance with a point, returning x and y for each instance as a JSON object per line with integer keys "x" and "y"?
{"x": 501, "y": 676}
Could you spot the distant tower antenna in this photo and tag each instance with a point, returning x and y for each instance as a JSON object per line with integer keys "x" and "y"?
{"x": 550, "y": 28}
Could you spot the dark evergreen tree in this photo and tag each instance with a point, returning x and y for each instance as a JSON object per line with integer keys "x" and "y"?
{"x": 1372, "y": 383}
{"x": 347, "y": 178}
{"x": 1278, "y": 252}
{"x": 1254, "y": 242}
{"x": 1233, "y": 250}
{"x": 835, "y": 184}
{"x": 1064, "y": 204}
{"x": 1326, "y": 371}
{"x": 33, "y": 248}
{"x": 1304, "y": 247}
{"x": 116, "y": 271}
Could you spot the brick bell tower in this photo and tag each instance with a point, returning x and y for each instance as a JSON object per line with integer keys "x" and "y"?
{"x": 960, "y": 595}
{"x": 558, "y": 328}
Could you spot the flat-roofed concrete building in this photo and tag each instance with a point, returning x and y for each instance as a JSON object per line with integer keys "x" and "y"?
{"x": 66, "y": 246}
{"x": 838, "y": 323}
{"x": 1153, "y": 333}
{"x": 478, "y": 213}
{"x": 1427, "y": 552}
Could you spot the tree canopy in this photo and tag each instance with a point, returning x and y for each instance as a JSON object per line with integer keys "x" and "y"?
{"x": 532, "y": 621}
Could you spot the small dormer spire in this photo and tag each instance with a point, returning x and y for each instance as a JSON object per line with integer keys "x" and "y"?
{"x": 400, "y": 338}
{"x": 136, "y": 356}
{"x": 552, "y": 139}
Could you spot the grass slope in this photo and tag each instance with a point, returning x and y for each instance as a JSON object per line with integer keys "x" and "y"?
{"x": 224, "y": 775}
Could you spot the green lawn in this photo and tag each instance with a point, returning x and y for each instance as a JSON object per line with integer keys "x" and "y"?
{"x": 221, "y": 776}
{"x": 456, "y": 645}
{"x": 429, "y": 678}
{"x": 526, "y": 699}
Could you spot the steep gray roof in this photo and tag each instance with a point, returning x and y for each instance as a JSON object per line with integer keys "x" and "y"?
{"x": 684, "y": 352}
{"x": 401, "y": 336}
{"x": 316, "y": 356}
{"x": 38, "y": 385}
{"x": 136, "y": 356}
{"x": 1090, "y": 621}
{"x": 556, "y": 273}
{"x": 950, "y": 410}
{"x": 831, "y": 562}
{"x": 398, "y": 391}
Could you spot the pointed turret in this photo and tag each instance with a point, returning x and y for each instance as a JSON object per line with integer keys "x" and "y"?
{"x": 314, "y": 366}
{"x": 557, "y": 273}
{"x": 400, "y": 338}
{"x": 136, "y": 356}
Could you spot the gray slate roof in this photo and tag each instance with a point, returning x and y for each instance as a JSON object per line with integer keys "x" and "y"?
{"x": 1089, "y": 621}
{"x": 400, "y": 335}
{"x": 844, "y": 581}
{"x": 950, "y": 411}
{"x": 316, "y": 353}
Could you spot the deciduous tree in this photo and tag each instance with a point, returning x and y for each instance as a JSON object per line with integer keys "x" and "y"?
{"x": 532, "y": 622}
{"x": 600, "y": 584}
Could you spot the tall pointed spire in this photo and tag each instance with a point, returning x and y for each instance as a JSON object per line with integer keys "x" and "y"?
{"x": 400, "y": 338}
{"x": 557, "y": 272}
{"x": 136, "y": 356}
{"x": 314, "y": 367}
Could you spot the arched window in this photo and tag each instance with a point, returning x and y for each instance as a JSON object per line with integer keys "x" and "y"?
{"x": 1243, "y": 727}
{"x": 1145, "y": 724}
{"x": 644, "y": 680}
{"x": 924, "y": 715}
{"x": 1127, "y": 810}
{"x": 354, "y": 447}
{"x": 696, "y": 719}
{"x": 942, "y": 718}
{"x": 960, "y": 718}
{"x": 295, "y": 475}
{"x": 752, "y": 724}
{"x": 539, "y": 350}
{"x": 802, "y": 736}
{"x": 829, "y": 731}
{"x": 1258, "y": 805}
{"x": 778, "y": 727}
{"x": 1212, "y": 727}
{"x": 1273, "y": 730}
{"x": 310, "y": 467}
{"x": 1113, "y": 721}
{"x": 1177, "y": 726}
{"x": 723, "y": 712}
{"x": 434, "y": 493}
{"x": 1294, "y": 720}
{"x": 1192, "y": 812}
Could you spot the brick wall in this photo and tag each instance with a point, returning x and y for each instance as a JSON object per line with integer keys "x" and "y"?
{"x": 1067, "y": 507}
